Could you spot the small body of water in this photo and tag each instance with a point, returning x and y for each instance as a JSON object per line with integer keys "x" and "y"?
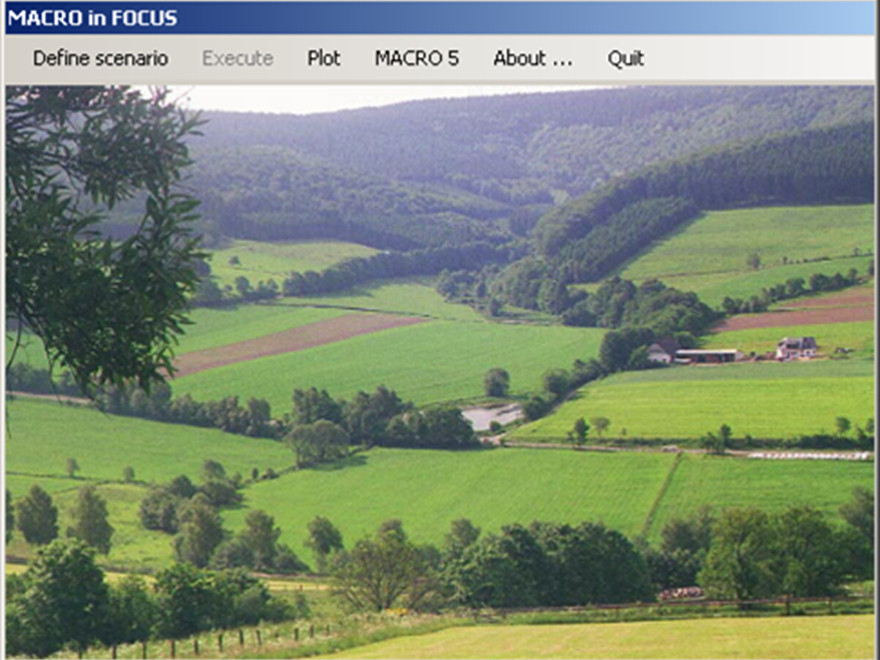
{"x": 482, "y": 417}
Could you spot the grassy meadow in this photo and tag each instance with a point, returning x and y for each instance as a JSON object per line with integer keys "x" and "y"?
{"x": 764, "y": 400}
{"x": 413, "y": 296}
{"x": 709, "y": 255}
{"x": 808, "y": 637}
{"x": 263, "y": 261}
{"x": 427, "y": 363}
{"x": 42, "y": 435}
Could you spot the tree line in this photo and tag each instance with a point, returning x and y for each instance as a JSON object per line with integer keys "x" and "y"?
{"x": 63, "y": 600}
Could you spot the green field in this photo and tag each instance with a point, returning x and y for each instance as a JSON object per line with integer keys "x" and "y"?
{"x": 427, "y": 490}
{"x": 42, "y": 435}
{"x": 764, "y": 400}
{"x": 858, "y": 336}
{"x": 809, "y": 637}
{"x": 725, "y": 482}
{"x": 264, "y": 261}
{"x": 415, "y": 296}
{"x": 709, "y": 255}
{"x": 426, "y": 363}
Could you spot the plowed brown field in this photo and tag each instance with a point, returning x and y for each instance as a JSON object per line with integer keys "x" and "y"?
{"x": 845, "y": 307}
{"x": 289, "y": 341}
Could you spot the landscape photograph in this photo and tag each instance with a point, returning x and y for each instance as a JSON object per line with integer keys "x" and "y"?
{"x": 539, "y": 374}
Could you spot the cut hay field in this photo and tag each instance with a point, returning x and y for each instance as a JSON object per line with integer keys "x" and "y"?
{"x": 264, "y": 261}
{"x": 42, "y": 435}
{"x": 783, "y": 638}
{"x": 427, "y": 363}
{"x": 709, "y": 255}
{"x": 764, "y": 400}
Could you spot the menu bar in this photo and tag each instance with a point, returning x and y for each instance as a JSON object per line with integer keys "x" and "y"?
{"x": 388, "y": 59}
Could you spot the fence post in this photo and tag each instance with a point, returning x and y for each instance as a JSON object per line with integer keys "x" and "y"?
{"x": 296, "y": 634}
{"x": 240, "y": 637}
{"x": 787, "y": 604}
{"x": 259, "y": 637}
{"x": 328, "y": 630}
{"x": 144, "y": 650}
{"x": 173, "y": 649}
{"x": 220, "y": 642}
{"x": 830, "y": 604}
{"x": 312, "y": 630}
{"x": 196, "y": 646}
{"x": 114, "y": 652}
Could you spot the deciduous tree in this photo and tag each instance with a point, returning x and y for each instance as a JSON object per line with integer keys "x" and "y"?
{"x": 37, "y": 517}
{"x": 107, "y": 310}
{"x": 90, "y": 523}
{"x": 324, "y": 538}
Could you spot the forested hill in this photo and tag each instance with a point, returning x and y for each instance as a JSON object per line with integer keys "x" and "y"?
{"x": 430, "y": 173}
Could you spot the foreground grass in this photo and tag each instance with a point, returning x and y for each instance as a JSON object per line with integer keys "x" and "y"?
{"x": 427, "y": 363}
{"x": 812, "y": 637}
{"x": 764, "y": 400}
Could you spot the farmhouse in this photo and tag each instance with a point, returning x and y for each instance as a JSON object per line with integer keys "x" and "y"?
{"x": 663, "y": 350}
{"x": 793, "y": 348}
{"x": 714, "y": 356}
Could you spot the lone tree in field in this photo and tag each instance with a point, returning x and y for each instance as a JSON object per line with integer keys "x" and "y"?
{"x": 37, "y": 517}
{"x": 601, "y": 424}
{"x": 496, "y": 382}
{"x": 843, "y": 425}
{"x": 324, "y": 539}
{"x": 107, "y": 310}
{"x": 578, "y": 433}
{"x": 72, "y": 467}
{"x": 90, "y": 523}
{"x": 753, "y": 261}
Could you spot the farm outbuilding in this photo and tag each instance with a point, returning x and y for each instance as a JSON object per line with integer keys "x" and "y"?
{"x": 794, "y": 348}
{"x": 713, "y": 356}
{"x": 663, "y": 350}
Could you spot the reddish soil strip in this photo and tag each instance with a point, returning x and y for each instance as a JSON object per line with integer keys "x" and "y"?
{"x": 860, "y": 300}
{"x": 289, "y": 341}
{"x": 798, "y": 317}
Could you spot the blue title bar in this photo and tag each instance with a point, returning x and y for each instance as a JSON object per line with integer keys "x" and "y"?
{"x": 783, "y": 18}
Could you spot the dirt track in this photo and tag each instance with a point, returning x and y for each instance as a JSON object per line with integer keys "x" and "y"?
{"x": 289, "y": 341}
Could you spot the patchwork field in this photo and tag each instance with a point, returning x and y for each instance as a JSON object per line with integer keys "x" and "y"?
{"x": 427, "y": 363}
{"x": 296, "y": 339}
{"x": 764, "y": 400}
{"x": 425, "y": 489}
{"x": 812, "y": 637}
{"x": 264, "y": 261}
{"x": 709, "y": 255}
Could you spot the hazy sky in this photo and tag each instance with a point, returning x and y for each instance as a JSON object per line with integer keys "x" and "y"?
{"x": 307, "y": 99}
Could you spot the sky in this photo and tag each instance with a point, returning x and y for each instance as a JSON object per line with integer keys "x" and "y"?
{"x": 310, "y": 99}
